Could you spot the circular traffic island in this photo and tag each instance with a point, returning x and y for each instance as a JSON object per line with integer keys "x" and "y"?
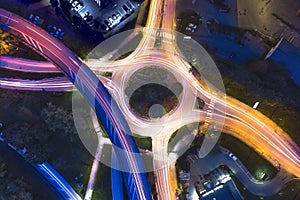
{"x": 153, "y": 92}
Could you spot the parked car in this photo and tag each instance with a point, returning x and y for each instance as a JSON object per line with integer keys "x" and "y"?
{"x": 126, "y": 9}
{"x": 122, "y": 12}
{"x": 130, "y": 6}
{"x": 61, "y": 35}
{"x": 104, "y": 27}
{"x": 38, "y": 21}
{"x": 35, "y": 19}
{"x": 31, "y": 17}
{"x": 232, "y": 156}
{"x": 107, "y": 23}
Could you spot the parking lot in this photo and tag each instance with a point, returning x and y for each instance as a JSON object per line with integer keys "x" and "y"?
{"x": 100, "y": 15}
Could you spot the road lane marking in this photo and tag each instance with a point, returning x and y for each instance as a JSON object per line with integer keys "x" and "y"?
{"x": 43, "y": 37}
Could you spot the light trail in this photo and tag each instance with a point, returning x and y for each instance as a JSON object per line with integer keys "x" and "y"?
{"x": 87, "y": 83}
{"x": 253, "y": 128}
{"x": 25, "y": 65}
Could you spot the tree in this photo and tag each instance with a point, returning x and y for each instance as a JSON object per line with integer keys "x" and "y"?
{"x": 54, "y": 3}
{"x": 7, "y": 42}
{"x": 58, "y": 11}
{"x": 59, "y": 120}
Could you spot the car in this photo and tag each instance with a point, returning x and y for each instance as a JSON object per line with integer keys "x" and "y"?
{"x": 91, "y": 23}
{"x": 104, "y": 27}
{"x": 107, "y": 23}
{"x": 118, "y": 14}
{"x": 191, "y": 27}
{"x": 78, "y": 7}
{"x": 31, "y": 17}
{"x": 194, "y": 26}
{"x": 57, "y": 32}
{"x": 188, "y": 29}
{"x": 53, "y": 30}
{"x": 61, "y": 35}
{"x": 117, "y": 17}
{"x": 37, "y": 20}
{"x": 80, "y": 185}
{"x": 75, "y": 3}
{"x": 126, "y": 9}
{"x": 232, "y": 156}
{"x": 122, "y": 12}
{"x": 130, "y": 6}
{"x": 111, "y": 21}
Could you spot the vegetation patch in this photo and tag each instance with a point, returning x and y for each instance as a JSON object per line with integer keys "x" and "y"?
{"x": 250, "y": 158}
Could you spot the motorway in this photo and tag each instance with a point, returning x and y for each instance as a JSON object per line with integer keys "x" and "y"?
{"x": 240, "y": 120}
{"x": 94, "y": 92}
{"x": 17, "y": 165}
{"x": 278, "y": 148}
{"x": 261, "y": 138}
{"x": 57, "y": 84}
{"x": 58, "y": 181}
{"x": 25, "y": 65}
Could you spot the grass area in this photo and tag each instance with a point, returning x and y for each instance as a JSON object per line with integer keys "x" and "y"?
{"x": 250, "y": 158}
{"x": 71, "y": 162}
{"x": 246, "y": 194}
{"x": 239, "y": 92}
{"x": 22, "y": 114}
{"x": 102, "y": 189}
{"x": 144, "y": 142}
{"x": 283, "y": 115}
{"x": 291, "y": 191}
{"x": 148, "y": 95}
{"x": 143, "y": 13}
{"x": 184, "y": 131}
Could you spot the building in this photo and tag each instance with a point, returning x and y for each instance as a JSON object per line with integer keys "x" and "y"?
{"x": 217, "y": 185}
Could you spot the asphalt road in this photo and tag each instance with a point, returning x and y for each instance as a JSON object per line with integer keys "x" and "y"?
{"x": 241, "y": 121}
{"x": 215, "y": 159}
{"x": 95, "y": 93}
{"x": 260, "y": 188}
{"x": 19, "y": 167}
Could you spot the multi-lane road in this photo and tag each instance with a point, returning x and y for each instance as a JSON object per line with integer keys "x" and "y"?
{"x": 94, "y": 92}
{"x": 24, "y": 65}
{"x": 58, "y": 84}
{"x": 240, "y": 120}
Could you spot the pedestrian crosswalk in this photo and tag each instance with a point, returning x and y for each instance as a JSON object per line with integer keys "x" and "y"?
{"x": 158, "y": 33}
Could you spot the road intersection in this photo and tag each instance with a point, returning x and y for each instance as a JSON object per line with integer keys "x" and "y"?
{"x": 239, "y": 120}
